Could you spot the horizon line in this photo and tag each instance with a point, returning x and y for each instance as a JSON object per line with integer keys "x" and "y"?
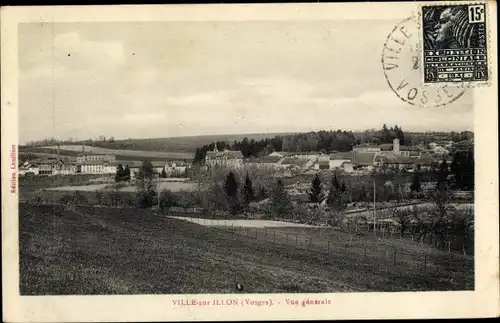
{"x": 252, "y": 133}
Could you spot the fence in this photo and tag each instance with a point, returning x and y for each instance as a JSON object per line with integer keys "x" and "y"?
{"x": 366, "y": 249}
{"x": 380, "y": 250}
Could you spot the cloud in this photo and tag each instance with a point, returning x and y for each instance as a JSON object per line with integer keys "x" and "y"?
{"x": 67, "y": 55}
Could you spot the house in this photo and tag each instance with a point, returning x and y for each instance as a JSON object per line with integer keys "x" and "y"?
{"x": 366, "y": 148}
{"x": 323, "y": 158}
{"x": 159, "y": 166}
{"x": 296, "y": 163}
{"x": 267, "y": 162}
{"x": 404, "y": 163}
{"x": 28, "y": 168}
{"x": 322, "y": 165}
{"x": 336, "y": 160}
{"x": 55, "y": 166}
{"x": 312, "y": 155}
{"x": 363, "y": 160}
{"x": 395, "y": 148}
{"x": 93, "y": 166}
{"x": 66, "y": 169}
{"x": 225, "y": 158}
{"x": 83, "y": 157}
{"x": 176, "y": 168}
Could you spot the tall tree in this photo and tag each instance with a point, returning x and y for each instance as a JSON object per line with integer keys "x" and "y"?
{"x": 248, "y": 194}
{"x": 119, "y": 176}
{"x": 416, "y": 186}
{"x": 146, "y": 171}
{"x": 280, "y": 201}
{"x": 442, "y": 175}
{"x": 126, "y": 173}
{"x": 316, "y": 191}
{"x": 231, "y": 190}
{"x": 462, "y": 167}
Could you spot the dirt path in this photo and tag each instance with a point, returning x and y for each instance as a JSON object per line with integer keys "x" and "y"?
{"x": 243, "y": 223}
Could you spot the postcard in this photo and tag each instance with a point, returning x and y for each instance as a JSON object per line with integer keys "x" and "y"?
{"x": 250, "y": 162}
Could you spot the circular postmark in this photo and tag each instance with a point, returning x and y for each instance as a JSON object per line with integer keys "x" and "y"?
{"x": 401, "y": 62}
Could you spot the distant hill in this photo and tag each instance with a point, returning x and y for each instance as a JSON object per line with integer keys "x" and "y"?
{"x": 169, "y": 145}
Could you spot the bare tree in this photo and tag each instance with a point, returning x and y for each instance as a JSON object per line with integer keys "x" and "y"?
{"x": 441, "y": 199}
{"x": 403, "y": 216}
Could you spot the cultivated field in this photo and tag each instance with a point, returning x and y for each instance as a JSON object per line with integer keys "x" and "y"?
{"x": 124, "y": 152}
{"x": 118, "y": 251}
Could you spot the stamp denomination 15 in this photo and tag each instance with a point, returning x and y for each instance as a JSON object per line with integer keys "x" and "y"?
{"x": 455, "y": 44}
{"x": 401, "y": 62}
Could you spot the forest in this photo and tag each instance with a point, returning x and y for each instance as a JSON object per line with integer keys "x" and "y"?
{"x": 328, "y": 141}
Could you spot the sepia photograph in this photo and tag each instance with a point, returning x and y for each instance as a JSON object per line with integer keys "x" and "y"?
{"x": 203, "y": 157}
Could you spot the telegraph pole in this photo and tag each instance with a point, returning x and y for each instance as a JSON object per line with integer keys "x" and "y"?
{"x": 158, "y": 207}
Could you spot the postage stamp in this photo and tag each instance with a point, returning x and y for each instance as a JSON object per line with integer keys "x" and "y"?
{"x": 455, "y": 43}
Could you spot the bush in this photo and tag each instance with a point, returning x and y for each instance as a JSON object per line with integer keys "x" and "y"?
{"x": 168, "y": 199}
{"x": 67, "y": 198}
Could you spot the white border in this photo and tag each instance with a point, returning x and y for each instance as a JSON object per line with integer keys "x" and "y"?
{"x": 483, "y": 302}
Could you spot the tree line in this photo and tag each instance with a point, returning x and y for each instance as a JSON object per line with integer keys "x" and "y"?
{"x": 328, "y": 141}
{"x": 321, "y": 141}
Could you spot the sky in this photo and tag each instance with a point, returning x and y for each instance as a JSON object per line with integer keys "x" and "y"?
{"x": 167, "y": 79}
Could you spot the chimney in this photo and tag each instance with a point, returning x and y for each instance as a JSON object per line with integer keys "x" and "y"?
{"x": 395, "y": 146}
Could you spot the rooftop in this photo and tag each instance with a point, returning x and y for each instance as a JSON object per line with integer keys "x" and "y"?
{"x": 341, "y": 155}
{"x": 294, "y": 161}
{"x": 363, "y": 159}
{"x": 231, "y": 154}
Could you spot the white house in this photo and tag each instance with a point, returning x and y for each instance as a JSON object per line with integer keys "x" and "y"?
{"x": 338, "y": 159}
{"x": 225, "y": 158}
{"x": 29, "y": 167}
{"x": 176, "y": 168}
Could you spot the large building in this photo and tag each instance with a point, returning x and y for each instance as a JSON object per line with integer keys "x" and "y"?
{"x": 225, "y": 158}
{"x": 97, "y": 167}
{"x": 394, "y": 148}
{"x": 85, "y": 157}
{"x": 55, "y": 166}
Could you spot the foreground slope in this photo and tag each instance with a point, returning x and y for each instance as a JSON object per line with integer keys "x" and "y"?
{"x": 106, "y": 251}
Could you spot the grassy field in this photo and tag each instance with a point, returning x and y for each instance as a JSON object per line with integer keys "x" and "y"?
{"x": 106, "y": 251}
{"x": 121, "y": 154}
{"x": 33, "y": 183}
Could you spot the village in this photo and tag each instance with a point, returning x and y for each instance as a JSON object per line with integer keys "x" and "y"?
{"x": 362, "y": 159}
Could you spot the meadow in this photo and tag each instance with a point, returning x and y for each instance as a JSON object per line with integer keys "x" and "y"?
{"x": 120, "y": 154}
{"x": 89, "y": 250}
